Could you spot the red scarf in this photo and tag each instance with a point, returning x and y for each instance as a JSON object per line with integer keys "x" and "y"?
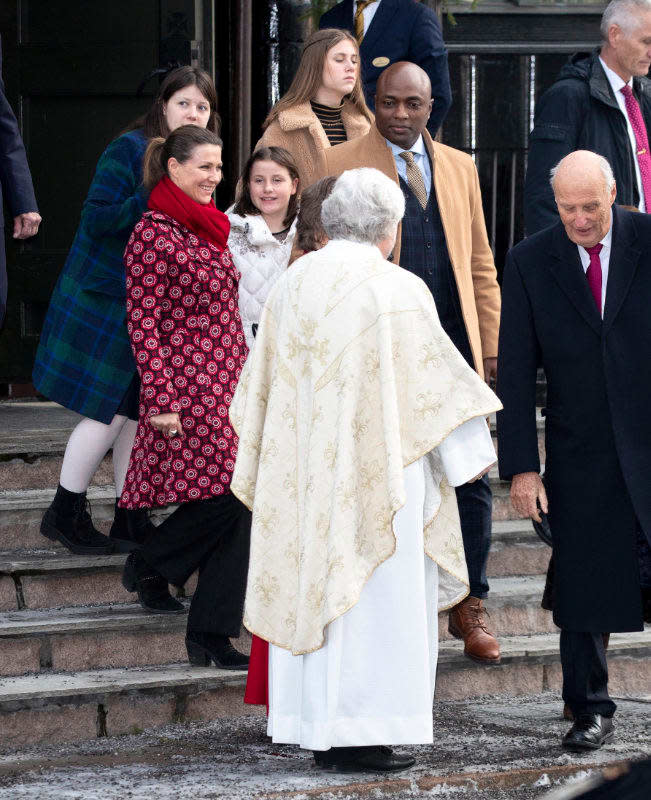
{"x": 204, "y": 220}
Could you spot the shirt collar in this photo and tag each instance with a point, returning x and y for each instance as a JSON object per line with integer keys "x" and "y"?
{"x": 418, "y": 148}
{"x": 613, "y": 78}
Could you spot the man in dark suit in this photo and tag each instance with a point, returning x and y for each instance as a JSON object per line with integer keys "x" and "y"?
{"x": 601, "y": 101}
{"x": 396, "y": 30}
{"x": 575, "y": 299}
{"x": 16, "y": 186}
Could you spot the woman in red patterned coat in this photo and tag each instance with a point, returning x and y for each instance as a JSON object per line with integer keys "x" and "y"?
{"x": 187, "y": 338}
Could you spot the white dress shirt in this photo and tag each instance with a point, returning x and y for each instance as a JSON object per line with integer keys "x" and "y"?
{"x": 616, "y": 84}
{"x": 368, "y": 13}
{"x": 420, "y": 159}
{"x": 604, "y": 257}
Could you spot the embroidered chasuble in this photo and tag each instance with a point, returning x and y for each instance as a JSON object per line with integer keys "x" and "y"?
{"x": 350, "y": 380}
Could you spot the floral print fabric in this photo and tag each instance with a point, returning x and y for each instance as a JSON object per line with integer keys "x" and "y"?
{"x": 187, "y": 338}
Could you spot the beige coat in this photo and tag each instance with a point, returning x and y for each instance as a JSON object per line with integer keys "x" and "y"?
{"x": 459, "y": 199}
{"x": 299, "y": 131}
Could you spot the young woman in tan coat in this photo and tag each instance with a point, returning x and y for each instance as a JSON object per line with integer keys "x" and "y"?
{"x": 324, "y": 104}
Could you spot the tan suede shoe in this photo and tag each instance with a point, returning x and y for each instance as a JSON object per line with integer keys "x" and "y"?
{"x": 467, "y": 621}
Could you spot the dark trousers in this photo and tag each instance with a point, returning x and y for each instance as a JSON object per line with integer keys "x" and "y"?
{"x": 475, "y": 501}
{"x": 585, "y": 673}
{"x": 212, "y": 536}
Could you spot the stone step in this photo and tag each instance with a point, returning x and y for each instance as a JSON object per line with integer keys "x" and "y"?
{"x": 54, "y": 578}
{"x": 83, "y": 705}
{"x": 125, "y": 635}
{"x": 21, "y": 511}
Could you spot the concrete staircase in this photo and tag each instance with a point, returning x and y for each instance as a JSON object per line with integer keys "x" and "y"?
{"x": 78, "y": 659}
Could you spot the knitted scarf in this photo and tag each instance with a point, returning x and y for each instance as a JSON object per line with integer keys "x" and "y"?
{"x": 204, "y": 220}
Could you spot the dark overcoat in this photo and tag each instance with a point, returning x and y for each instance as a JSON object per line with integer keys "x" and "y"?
{"x": 598, "y": 426}
{"x": 84, "y": 360}
{"x": 579, "y": 112}
{"x": 401, "y": 30}
{"x": 16, "y": 187}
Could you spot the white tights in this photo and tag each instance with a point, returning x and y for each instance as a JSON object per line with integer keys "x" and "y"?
{"x": 89, "y": 443}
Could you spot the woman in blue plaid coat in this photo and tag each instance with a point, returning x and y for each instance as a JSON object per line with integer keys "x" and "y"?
{"x": 84, "y": 359}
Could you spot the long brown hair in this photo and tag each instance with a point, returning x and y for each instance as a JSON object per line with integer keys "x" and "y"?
{"x": 180, "y": 144}
{"x": 153, "y": 123}
{"x": 309, "y": 75}
{"x": 283, "y": 158}
{"x": 309, "y": 228}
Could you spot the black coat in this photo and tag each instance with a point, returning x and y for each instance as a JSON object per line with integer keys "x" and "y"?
{"x": 401, "y": 30}
{"x": 598, "y": 426}
{"x": 15, "y": 180}
{"x": 579, "y": 112}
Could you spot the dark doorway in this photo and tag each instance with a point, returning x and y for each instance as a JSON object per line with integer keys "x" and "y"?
{"x": 72, "y": 72}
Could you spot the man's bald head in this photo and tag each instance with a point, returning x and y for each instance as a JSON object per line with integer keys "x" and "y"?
{"x": 403, "y": 103}
{"x": 405, "y": 70}
{"x": 584, "y": 189}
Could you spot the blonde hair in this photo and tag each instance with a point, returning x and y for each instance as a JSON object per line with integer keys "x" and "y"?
{"x": 309, "y": 75}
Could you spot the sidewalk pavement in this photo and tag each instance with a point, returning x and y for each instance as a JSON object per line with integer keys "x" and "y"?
{"x": 491, "y": 748}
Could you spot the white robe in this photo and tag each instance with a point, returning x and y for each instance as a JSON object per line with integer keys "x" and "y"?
{"x": 373, "y": 680}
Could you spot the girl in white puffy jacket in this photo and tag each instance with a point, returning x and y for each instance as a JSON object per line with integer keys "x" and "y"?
{"x": 263, "y": 225}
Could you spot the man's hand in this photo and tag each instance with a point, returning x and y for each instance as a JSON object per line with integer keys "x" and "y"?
{"x": 26, "y": 225}
{"x": 167, "y": 424}
{"x": 526, "y": 488}
{"x": 490, "y": 370}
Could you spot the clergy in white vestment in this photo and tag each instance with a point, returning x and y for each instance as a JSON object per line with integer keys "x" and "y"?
{"x": 356, "y": 418}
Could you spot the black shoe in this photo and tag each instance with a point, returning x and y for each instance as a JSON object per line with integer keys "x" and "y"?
{"x": 206, "y": 647}
{"x": 362, "y": 759}
{"x": 68, "y": 521}
{"x": 153, "y": 589}
{"x": 589, "y": 732}
{"x": 130, "y": 529}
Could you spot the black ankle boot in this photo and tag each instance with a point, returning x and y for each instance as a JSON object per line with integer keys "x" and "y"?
{"x": 68, "y": 521}
{"x": 130, "y": 528}
{"x": 206, "y": 647}
{"x": 153, "y": 589}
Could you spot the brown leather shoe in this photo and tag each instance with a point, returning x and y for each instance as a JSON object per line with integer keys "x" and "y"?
{"x": 467, "y": 622}
{"x": 567, "y": 711}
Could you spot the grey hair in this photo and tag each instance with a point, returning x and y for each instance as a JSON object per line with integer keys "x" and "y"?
{"x": 604, "y": 166}
{"x": 622, "y": 14}
{"x": 364, "y": 206}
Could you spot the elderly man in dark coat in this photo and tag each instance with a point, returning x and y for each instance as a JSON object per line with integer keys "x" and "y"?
{"x": 15, "y": 184}
{"x": 587, "y": 109}
{"x": 576, "y": 301}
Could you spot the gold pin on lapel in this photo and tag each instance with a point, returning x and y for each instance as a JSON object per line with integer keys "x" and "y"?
{"x": 641, "y": 152}
{"x": 380, "y": 61}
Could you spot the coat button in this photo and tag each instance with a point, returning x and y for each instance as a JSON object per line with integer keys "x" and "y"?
{"x": 428, "y": 245}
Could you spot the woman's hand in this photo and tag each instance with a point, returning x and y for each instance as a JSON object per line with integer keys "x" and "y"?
{"x": 167, "y": 424}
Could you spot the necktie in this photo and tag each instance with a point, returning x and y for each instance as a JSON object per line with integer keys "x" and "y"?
{"x": 359, "y": 19}
{"x": 639, "y": 129}
{"x": 593, "y": 273}
{"x": 415, "y": 178}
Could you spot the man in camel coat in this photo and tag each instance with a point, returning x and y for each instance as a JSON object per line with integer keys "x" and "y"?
{"x": 443, "y": 240}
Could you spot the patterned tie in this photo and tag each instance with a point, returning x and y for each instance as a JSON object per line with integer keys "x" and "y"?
{"x": 593, "y": 273}
{"x": 639, "y": 129}
{"x": 415, "y": 178}
{"x": 359, "y": 19}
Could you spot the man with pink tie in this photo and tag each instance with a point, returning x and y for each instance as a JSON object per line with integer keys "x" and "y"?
{"x": 600, "y": 102}
{"x": 575, "y": 301}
